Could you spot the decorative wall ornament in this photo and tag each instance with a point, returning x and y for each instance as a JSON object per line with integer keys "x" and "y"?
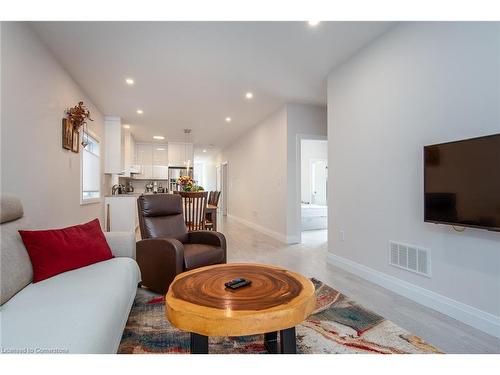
{"x": 77, "y": 119}
{"x": 76, "y": 141}
{"x": 67, "y": 134}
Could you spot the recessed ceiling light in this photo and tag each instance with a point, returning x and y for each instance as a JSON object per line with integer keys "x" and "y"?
{"x": 313, "y": 23}
{"x": 249, "y": 95}
{"x": 160, "y": 149}
{"x": 129, "y": 81}
{"x": 126, "y": 126}
{"x": 158, "y": 137}
{"x": 228, "y": 119}
{"x": 204, "y": 150}
{"x": 140, "y": 111}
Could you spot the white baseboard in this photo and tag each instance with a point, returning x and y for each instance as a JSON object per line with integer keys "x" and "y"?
{"x": 292, "y": 240}
{"x": 472, "y": 316}
{"x": 277, "y": 236}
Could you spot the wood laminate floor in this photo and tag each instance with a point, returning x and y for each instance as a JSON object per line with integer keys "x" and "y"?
{"x": 309, "y": 258}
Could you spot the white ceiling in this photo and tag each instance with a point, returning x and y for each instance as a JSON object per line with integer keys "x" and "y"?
{"x": 194, "y": 74}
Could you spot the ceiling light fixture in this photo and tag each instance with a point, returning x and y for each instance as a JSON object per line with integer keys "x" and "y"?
{"x": 129, "y": 81}
{"x": 126, "y": 126}
{"x": 140, "y": 111}
{"x": 249, "y": 95}
{"x": 313, "y": 23}
{"x": 204, "y": 150}
{"x": 160, "y": 149}
{"x": 228, "y": 119}
{"x": 158, "y": 137}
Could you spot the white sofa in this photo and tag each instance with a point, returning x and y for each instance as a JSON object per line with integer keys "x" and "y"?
{"x": 80, "y": 311}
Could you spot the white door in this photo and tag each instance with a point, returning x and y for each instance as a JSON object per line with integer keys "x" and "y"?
{"x": 319, "y": 175}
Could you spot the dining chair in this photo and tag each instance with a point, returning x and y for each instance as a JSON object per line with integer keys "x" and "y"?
{"x": 215, "y": 198}
{"x": 195, "y": 205}
{"x": 214, "y": 201}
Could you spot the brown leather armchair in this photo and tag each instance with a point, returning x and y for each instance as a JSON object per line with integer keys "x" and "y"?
{"x": 167, "y": 248}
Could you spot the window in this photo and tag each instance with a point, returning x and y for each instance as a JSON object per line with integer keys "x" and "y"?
{"x": 91, "y": 171}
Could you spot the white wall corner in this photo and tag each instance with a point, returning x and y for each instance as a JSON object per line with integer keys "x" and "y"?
{"x": 467, "y": 314}
{"x": 293, "y": 239}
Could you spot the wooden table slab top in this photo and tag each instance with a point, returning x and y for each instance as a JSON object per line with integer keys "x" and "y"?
{"x": 197, "y": 301}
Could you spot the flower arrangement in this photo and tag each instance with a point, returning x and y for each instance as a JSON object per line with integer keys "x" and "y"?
{"x": 187, "y": 184}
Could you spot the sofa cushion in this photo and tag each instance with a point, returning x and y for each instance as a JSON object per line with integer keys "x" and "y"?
{"x": 200, "y": 255}
{"x": 59, "y": 250}
{"x": 80, "y": 311}
{"x": 122, "y": 244}
{"x": 11, "y": 208}
{"x": 15, "y": 266}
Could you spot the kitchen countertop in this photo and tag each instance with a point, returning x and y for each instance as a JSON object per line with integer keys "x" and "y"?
{"x": 127, "y": 195}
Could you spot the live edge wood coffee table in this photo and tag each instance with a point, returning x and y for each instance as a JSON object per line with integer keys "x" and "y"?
{"x": 277, "y": 300}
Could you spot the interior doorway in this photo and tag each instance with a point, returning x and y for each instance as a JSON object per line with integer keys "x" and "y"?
{"x": 225, "y": 188}
{"x": 222, "y": 186}
{"x": 319, "y": 181}
{"x": 314, "y": 187}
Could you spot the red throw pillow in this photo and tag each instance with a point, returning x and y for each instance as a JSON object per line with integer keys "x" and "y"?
{"x": 59, "y": 250}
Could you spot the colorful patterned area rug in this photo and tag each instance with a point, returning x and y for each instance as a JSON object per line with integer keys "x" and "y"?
{"x": 338, "y": 325}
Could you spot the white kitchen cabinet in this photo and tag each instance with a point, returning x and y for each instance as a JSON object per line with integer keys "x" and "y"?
{"x": 144, "y": 158}
{"x": 128, "y": 144}
{"x": 153, "y": 159}
{"x": 114, "y": 152}
{"x": 121, "y": 213}
{"x": 160, "y": 161}
{"x": 119, "y": 147}
{"x": 179, "y": 153}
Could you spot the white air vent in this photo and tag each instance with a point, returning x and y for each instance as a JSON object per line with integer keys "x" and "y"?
{"x": 411, "y": 258}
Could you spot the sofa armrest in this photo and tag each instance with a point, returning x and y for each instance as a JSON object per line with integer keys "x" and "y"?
{"x": 122, "y": 244}
{"x": 208, "y": 237}
{"x": 160, "y": 260}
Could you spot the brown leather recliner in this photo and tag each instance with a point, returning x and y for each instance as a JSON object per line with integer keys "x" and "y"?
{"x": 167, "y": 248}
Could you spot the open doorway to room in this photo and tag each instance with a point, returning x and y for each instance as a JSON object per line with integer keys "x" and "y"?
{"x": 222, "y": 186}
{"x": 314, "y": 189}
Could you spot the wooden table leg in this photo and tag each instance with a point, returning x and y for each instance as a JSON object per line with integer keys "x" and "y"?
{"x": 199, "y": 344}
{"x": 287, "y": 341}
{"x": 271, "y": 342}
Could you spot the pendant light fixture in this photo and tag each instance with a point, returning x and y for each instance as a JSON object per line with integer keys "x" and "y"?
{"x": 187, "y": 139}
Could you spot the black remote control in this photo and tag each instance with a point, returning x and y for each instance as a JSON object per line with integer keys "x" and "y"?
{"x": 237, "y": 283}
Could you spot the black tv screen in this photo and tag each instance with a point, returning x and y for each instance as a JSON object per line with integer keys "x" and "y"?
{"x": 462, "y": 183}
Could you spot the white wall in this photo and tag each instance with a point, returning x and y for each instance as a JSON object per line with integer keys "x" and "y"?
{"x": 420, "y": 83}
{"x": 257, "y": 175}
{"x": 310, "y": 150}
{"x": 35, "y": 91}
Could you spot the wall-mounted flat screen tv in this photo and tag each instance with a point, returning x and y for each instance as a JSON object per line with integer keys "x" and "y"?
{"x": 462, "y": 183}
